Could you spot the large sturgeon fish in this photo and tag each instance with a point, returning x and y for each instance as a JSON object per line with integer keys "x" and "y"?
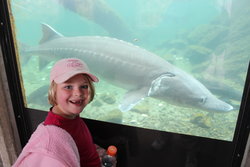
{"x": 135, "y": 69}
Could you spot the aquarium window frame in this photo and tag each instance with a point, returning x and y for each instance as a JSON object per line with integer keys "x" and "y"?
{"x": 12, "y": 73}
{"x": 242, "y": 129}
{"x": 23, "y": 119}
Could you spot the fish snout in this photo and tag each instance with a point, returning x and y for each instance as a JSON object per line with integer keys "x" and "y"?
{"x": 217, "y": 105}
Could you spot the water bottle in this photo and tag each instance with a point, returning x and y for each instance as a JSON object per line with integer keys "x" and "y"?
{"x": 109, "y": 160}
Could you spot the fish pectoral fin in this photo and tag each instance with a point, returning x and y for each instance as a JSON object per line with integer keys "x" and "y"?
{"x": 42, "y": 63}
{"x": 132, "y": 98}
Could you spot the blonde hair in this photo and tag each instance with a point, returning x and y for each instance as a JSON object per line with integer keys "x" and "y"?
{"x": 52, "y": 91}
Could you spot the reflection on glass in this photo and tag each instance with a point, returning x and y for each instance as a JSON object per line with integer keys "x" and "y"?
{"x": 169, "y": 65}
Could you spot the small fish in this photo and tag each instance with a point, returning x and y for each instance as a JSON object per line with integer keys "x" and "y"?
{"x": 102, "y": 14}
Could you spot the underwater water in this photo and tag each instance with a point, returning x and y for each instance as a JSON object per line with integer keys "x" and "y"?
{"x": 182, "y": 68}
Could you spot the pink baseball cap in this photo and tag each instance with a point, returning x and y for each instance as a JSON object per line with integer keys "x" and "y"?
{"x": 66, "y": 68}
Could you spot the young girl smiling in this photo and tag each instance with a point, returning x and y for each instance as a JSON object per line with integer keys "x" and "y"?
{"x": 63, "y": 139}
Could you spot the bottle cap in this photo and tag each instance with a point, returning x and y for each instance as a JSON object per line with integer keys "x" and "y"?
{"x": 112, "y": 150}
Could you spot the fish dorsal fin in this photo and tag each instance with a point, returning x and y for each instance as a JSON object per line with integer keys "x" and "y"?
{"x": 49, "y": 33}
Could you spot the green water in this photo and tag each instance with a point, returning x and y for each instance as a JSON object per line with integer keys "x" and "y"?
{"x": 208, "y": 39}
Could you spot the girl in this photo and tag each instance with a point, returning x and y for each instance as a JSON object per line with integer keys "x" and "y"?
{"x": 63, "y": 139}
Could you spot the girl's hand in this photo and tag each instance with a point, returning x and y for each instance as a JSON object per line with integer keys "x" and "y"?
{"x": 101, "y": 151}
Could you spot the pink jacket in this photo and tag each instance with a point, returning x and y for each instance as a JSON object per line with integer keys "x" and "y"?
{"x": 49, "y": 146}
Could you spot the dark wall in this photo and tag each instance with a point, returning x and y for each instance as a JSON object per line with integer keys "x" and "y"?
{"x": 139, "y": 147}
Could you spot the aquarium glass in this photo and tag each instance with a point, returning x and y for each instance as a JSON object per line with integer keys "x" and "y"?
{"x": 169, "y": 65}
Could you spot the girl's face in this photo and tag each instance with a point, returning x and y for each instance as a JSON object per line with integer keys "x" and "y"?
{"x": 72, "y": 96}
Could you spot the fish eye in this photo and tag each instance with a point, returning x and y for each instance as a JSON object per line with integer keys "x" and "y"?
{"x": 203, "y": 100}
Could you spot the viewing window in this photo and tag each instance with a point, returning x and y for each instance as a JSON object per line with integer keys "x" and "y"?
{"x": 175, "y": 66}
